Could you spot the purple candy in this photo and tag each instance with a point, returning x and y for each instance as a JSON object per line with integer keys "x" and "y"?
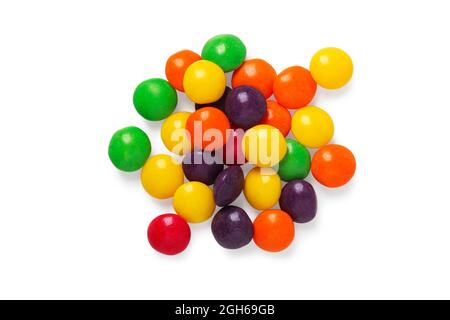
{"x": 219, "y": 104}
{"x": 228, "y": 185}
{"x": 299, "y": 200}
{"x": 201, "y": 166}
{"x": 245, "y": 107}
{"x": 232, "y": 228}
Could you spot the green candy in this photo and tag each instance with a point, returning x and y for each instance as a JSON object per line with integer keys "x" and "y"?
{"x": 296, "y": 163}
{"x": 155, "y": 99}
{"x": 225, "y": 50}
{"x": 129, "y": 149}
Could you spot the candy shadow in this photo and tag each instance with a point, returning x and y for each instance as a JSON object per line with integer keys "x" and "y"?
{"x": 153, "y": 126}
{"x": 229, "y": 76}
{"x": 244, "y": 252}
{"x": 184, "y": 103}
{"x": 288, "y": 253}
{"x": 129, "y": 177}
{"x": 331, "y": 193}
{"x": 332, "y": 94}
{"x": 203, "y": 226}
{"x": 162, "y": 204}
{"x": 181, "y": 257}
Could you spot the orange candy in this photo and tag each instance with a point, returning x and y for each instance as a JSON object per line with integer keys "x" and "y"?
{"x": 273, "y": 230}
{"x": 176, "y": 66}
{"x": 256, "y": 73}
{"x": 333, "y": 165}
{"x": 294, "y": 87}
{"x": 208, "y": 129}
{"x": 278, "y": 117}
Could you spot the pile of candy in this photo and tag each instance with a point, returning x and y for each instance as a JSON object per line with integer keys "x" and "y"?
{"x": 231, "y": 127}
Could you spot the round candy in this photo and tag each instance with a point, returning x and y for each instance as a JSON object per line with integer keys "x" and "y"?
{"x": 245, "y": 107}
{"x": 331, "y": 68}
{"x": 155, "y": 99}
{"x": 333, "y": 165}
{"x": 278, "y": 117}
{"x": 129, "y": 148}
{"x": 232, "y": 228}
{"x": 228, "y": 185}
{"x": 262, "y": 188}
{"x": 225, "y": 50}
{"x": 296, "y": 164}
{"x": 204, "y": 82}
{"x": 264, "y": 145}
{"x": 173, "y": 133}
{"x": 219, "y": 104}
{"x": 194, "y": 202}
{"x": 208, "y": 129}
{"x": 294, "y": 87}
{"x": 273, "y": 230}
{"x": 256, "y": 73}
{"x": 299, "y": 200}
{"x": 176, "y": 66}
{"x": 169, "y": 234}
{"x": 201, "y": 166}
{"x": 232, "y": 151}
{"x": 161, "y": 176}
{"x": 312, "y": 127}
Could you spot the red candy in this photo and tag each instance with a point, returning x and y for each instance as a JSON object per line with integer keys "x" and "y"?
{"x": 278, "y": 117}
{"x": 169, "y": 234}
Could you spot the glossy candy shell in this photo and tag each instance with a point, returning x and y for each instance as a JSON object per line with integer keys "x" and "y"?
{"x": 332, "y": 68}
{"x": 278, "y": 117}
{"x": 226, "y": 50}
{"x": 255, "y": 73}
{"x": 264, "y": 146}
{"x": 177, "y": 65}
{"x": 201, "y": 166}
{"x": 333, "y": 165}
{"x": 204, "y": 82}
{"x": 161, "y": 176}
{"x": 294, "y": 87}
{"x": 169, "y": 234}
{"x": 299, "y": 200}
{"x": 273, "y": 230}
{"x": 228, "y": 185}
{"x": 312, "y": 127}
{"x": 173, "y": 133}
{"x": 296, "y": 164}
{"x": 262, "y": 188}
{"x": 194, "y": 202}
{"x": 129, "y": 149}
{"x": 155, "y": 99}
{"x": 245, "y": 107}
{"x": 209, "y": 121}
{"x": 232, "y": 228}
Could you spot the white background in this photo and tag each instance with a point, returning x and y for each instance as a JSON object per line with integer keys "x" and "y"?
{"x": 72, "y": 226}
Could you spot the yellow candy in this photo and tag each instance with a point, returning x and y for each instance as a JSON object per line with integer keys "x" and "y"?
{"x": 262, "y": 188}
{"x": 312, "y": 127}
{"x": 173, "y": 133}
{"x": 264, "y": 146}
{"x": 331, "y": 68}
{"x": 194, "y": 202}
{"x": 204, "y": 82}
{"x": 161, "y": 176}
